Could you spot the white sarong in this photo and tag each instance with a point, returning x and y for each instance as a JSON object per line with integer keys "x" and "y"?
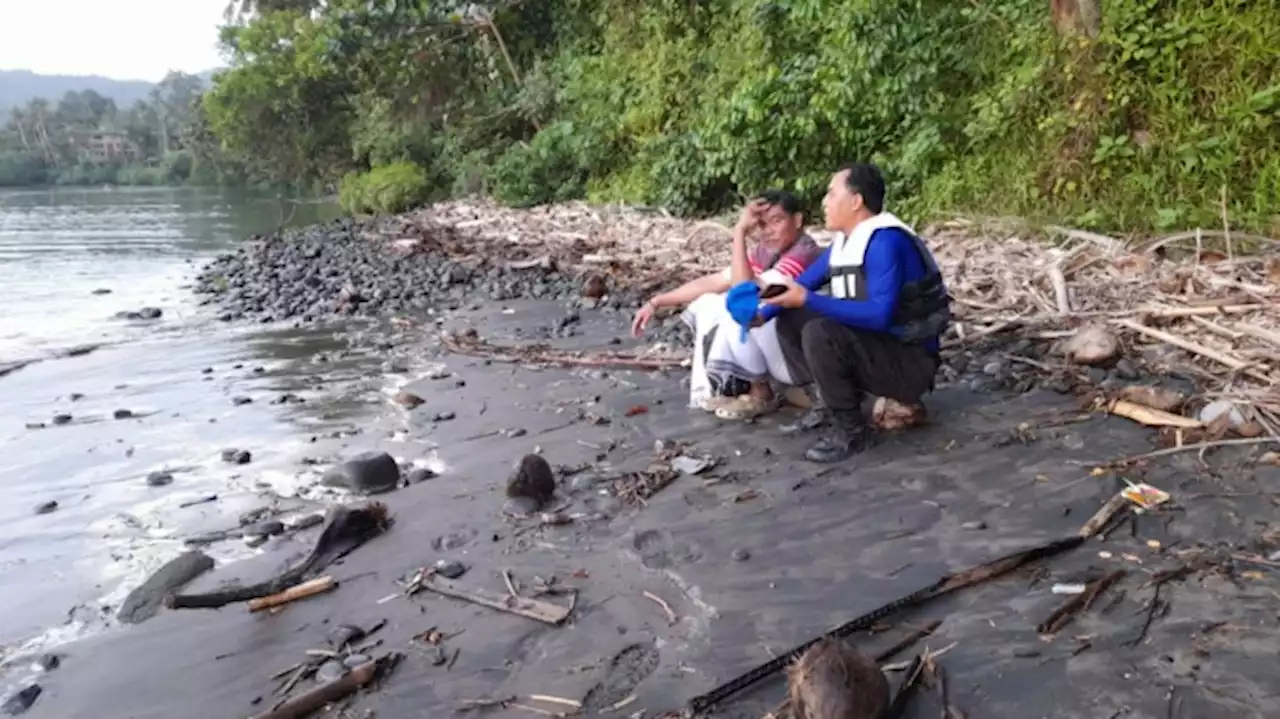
{"x": 759, "y": 357}
{"x": 702, "y": 316}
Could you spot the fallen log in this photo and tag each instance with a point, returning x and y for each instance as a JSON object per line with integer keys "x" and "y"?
{"x": 325, "y": 694}
{"x": 346, "y": 528}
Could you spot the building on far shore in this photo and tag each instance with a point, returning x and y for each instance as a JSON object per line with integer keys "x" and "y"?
{"x": 101, "y": 147}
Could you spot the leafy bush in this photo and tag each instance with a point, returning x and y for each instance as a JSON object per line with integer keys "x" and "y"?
{"x": 553, "y": 167}
{"x": 387, "y": 189}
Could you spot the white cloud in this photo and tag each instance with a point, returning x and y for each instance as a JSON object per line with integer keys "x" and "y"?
{"x": 123, "y": 39}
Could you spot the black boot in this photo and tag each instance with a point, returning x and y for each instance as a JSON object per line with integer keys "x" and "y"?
{"x": 810, "y": 420}
{"x": 849, "y": 435}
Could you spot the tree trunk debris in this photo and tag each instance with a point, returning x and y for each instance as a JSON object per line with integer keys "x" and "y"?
{"x": 346, "y": 528}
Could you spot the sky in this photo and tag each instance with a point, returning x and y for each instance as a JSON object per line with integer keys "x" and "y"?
{"x": 121, "y": 39}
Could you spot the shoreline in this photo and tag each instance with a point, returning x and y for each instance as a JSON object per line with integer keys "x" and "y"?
{"x": 662, "y": 548}
{"x": 905, "y": 511}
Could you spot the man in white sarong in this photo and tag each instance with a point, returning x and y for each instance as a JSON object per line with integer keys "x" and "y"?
{"x": 731, "y": 376}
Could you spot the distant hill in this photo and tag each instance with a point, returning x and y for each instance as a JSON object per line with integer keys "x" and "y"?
{"x": 18, "y": 87}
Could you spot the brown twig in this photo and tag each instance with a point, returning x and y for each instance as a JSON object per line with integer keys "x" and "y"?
{"x": 1190, "y": 448}
{"x": 1081, "y": 602}
{"x": 907, "y": 641}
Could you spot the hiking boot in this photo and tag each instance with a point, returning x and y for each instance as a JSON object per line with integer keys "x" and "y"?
{"x": 808, "y": 421}
{"x": 849, "y": 435}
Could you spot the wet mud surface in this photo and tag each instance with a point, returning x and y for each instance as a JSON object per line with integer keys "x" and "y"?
{"x": 753, "y": 556}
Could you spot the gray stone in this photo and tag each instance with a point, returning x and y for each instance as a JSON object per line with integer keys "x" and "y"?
{"x": 740, "y": 555}
{"x": 369, "y": 473}
{"x": 19, "y": 703}
{"x": 46, "y": 507}
{"x": 355, "y": 660}
{"x": 450, "y": 569}
{"x": 122, "y": 414}
{"x": 584, "y": 482}
{"x": 521, "y": 506}
{"x": 143, "y": 602}
{"x": 62, "y": 418}
{"x": 976, "y": 524}
{"x": 344, "y": 634}
{"x": 330, "y": 671}
{"x": 49, "y": 662}
{"x": 1126, "y": 369}
{"x": 159, "y": 479}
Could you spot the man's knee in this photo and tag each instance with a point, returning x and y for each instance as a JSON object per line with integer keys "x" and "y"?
{"x": 819, "y": 333}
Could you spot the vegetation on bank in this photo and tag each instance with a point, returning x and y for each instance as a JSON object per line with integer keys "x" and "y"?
{"x": 1143, "y": 114}
{"x": 85, "y": 139}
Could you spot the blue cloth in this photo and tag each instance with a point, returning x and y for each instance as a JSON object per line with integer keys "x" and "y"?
{"x": 891, "y": 261}
{"x": 742, "y": 300}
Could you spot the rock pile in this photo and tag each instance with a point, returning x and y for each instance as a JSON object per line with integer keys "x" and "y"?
{"x": 357, "y": 268}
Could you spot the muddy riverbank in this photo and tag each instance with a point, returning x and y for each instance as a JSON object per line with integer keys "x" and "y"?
{"x": 752, "y": 557}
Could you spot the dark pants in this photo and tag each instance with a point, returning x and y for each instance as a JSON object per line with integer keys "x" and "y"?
{"x": 848, "y": 363}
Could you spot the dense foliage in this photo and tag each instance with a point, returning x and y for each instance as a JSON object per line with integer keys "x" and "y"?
{"x": 85, "y": 139}
{"x": 1155, "y": 117}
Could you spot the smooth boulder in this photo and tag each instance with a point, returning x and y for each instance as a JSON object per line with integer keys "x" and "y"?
{"x": 368, "y": 473}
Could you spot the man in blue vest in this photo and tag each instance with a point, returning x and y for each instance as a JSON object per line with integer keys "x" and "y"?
{"x": 865, "y": 318}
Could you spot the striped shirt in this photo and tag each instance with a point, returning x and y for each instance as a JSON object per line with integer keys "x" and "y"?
{"x": 792, "y": 263}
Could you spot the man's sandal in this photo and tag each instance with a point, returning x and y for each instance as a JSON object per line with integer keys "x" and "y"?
{"x": 747, "y": 407}
{"x": 715, "y": 402}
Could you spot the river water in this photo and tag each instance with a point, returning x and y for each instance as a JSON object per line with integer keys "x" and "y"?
{"x": 63, "y": 573}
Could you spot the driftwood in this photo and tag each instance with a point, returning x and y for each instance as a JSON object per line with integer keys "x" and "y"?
{"x": 1150, "y": 416}
{"x": 535, "y": 609}
{"x": 1103, "y": 516}
{"x": 325, "y": 694}
{"x": 346, "y": 528}
{"x": 319, "y": 585}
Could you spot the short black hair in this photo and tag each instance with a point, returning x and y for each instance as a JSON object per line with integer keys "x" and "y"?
{"x": 781, "y": 198}
{"x": 865, "y": 179}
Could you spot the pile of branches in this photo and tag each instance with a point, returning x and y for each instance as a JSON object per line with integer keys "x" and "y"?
{"x": 1204, "y": 304}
